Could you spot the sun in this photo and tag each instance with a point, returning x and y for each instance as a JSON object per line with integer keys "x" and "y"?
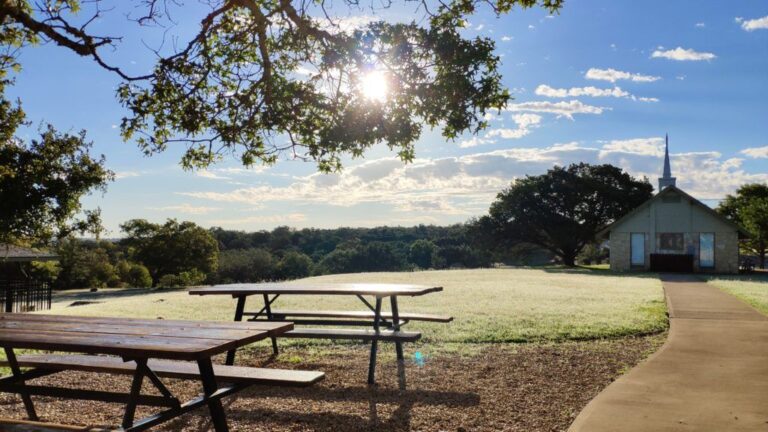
{"x": 374, "y": 86}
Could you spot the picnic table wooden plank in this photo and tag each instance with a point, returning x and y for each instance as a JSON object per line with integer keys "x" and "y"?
{"x": 172, "y": 369}
{"x": 276, "y": 327}
{"x": 122, "y": 345}
{"x": 359, "y": 334}
{"x": 110, "y": 336}
{"x": 317, "y": 289}
{"x": 173, "y": 332}
{"x": 358, "y": 314}
{"x": 13, "y": 425}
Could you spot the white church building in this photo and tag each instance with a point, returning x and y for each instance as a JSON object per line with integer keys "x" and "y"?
{"x": 673, "y": 231}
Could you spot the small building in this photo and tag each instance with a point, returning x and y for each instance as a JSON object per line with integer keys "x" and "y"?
{"x": 18, "y": 291}
{"x": 673, "y": 231}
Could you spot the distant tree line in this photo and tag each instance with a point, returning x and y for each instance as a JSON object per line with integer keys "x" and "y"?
{"x": 183, "y": 253}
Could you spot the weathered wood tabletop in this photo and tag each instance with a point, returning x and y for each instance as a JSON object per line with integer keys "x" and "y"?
{"x": 136, "y": 341}
{"x": 373, "y": 289}
{"x": 132, "y": 338}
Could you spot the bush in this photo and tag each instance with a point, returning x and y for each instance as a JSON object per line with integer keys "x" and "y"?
{"x": 138, "y": 276}
{"x": 246, "y": 265}
{"x": 295, "y": 265}
{"x": 183, "y": 279}
{"x": 422, "y": 253}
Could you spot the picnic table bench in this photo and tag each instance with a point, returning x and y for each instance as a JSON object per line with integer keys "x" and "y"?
{"x": 383, "y": 326}
{"x": 144, "y": 349}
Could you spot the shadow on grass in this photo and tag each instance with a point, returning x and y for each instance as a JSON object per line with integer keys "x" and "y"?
{"x": 107, "y": 294}
{"x": 593, "y": 271}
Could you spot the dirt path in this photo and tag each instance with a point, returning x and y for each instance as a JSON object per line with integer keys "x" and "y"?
{"x": 711, "y": 374}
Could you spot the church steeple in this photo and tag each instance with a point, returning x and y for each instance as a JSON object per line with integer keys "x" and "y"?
{"x": 666, "y": 179}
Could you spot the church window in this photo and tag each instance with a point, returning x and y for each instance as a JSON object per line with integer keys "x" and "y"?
{"x": 706, "y": 250}
{"x": 637, "y": 249}
{"x": 673, "y": 242}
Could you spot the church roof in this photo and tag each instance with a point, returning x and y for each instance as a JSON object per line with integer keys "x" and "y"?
{"x": 11, "y": 253}
{"x": 666, "y": 191}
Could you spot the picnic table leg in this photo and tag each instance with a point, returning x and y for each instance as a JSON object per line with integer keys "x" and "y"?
{"x": 396, "y": 326}
{"x": 398, "y": 344}
{"x": 374, "y": 343}
{"x": 238, "y": 317}
{"x": 268, "y": 307}
{"x": 218, "y": 417}
{"x": 138, "y": 380}
{"x": 25, "y": 397}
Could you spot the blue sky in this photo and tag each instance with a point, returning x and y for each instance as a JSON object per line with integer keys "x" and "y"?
{"x": 601, "y": 82}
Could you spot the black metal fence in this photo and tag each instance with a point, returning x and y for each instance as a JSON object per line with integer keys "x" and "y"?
{"x": 24, "y": 296}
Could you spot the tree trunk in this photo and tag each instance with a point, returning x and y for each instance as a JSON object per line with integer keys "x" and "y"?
{"x": 569, "y": 260}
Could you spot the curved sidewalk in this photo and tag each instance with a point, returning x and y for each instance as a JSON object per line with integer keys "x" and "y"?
{"x": 710, "y": 375}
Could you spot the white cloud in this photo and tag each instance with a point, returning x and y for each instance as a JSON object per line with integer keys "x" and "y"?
{"x": 614, "y": 75}
{"x": 474, "y": 142}
{"x": 700, "y": 25}
{"x": 682, "y": 54}
{"x": 291, "y": 218}
{"x": 561, "y": 109}
{"x": 506, "y": 38}
{"x": 531, "y": 27}
{"x": 466, "y": 185}
{"x": 210, "y": 175}
{"x": 545, "y": 90}
{"x": 187, "y": 209}
{"x": 653, "y": 146}
{"x": 756, "y": 152}
{"x": 525, "y": 122}
{"x": 126, "y": 174}
{"x": 755, "y": 24}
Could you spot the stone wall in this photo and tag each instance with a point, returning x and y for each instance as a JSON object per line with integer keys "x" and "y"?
{"x": 726, "y": 252}
{"x": 619, "y": 253}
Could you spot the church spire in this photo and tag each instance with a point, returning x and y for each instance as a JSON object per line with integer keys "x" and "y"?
{"x": 666, "y": 179}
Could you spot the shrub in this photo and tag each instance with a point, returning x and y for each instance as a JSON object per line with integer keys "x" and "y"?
{"x": 138, "y": 276}
{"x": 183, "y": 279}
{"x": 295, "y": 265}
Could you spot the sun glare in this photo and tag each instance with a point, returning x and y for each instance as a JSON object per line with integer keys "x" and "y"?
{"x": 374, "y": 86}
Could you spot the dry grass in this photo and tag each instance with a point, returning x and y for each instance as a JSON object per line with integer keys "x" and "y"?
{"x": 753, "y": 289}
{"x": 489, "y": 305}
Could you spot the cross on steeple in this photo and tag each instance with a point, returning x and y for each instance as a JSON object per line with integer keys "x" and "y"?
{"x": 666, "y": 179}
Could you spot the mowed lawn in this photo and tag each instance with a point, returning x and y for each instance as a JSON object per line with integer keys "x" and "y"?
{"x": 753, "y": 289}
{"x": 489, "y": 305}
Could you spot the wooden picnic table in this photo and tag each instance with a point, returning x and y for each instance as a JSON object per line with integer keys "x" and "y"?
{"x": 148, "y": 344}
{"x": 373, "y": 316}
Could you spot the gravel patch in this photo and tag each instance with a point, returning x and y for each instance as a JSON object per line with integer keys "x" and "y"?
{"x": 526, "y": 387}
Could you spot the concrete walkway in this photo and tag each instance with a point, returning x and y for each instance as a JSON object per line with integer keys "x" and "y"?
{"x": 710, "y": 375}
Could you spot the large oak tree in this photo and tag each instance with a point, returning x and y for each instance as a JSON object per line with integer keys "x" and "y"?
{"x": 561, "y": 211}
{"x": 749, "y": 208}
{"x": 261, "y": 77}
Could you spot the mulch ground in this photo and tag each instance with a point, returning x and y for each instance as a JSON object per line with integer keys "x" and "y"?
{"x": 500, "y": 388}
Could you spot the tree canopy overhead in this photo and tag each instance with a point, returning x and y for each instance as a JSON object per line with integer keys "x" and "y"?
{"x": 262, "y": 77}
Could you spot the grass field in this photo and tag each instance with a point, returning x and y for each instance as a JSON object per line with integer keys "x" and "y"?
{"x": 489, "y": 305}
{"x": 753, "y": 289}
